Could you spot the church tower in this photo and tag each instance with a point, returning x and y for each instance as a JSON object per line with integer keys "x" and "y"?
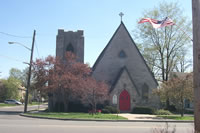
{"x": 70, "y": 41}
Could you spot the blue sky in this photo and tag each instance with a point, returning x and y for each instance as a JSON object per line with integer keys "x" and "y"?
{"x": 98, "y": 18}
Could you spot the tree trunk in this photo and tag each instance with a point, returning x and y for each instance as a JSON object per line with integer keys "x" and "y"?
{"x": 182, "y": 108}
{"x": 92, "y": 101}
{"x": 167, "y": 104}
{"x": 66, "y": 102}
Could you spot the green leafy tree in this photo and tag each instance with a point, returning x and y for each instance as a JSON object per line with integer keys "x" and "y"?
{"x": 2, "y": 91}
{"x": 22, "y": 76}
{"x": 163, "y": 47}
{"x": 177, "y": 89}
{"x": 11, "y": 86}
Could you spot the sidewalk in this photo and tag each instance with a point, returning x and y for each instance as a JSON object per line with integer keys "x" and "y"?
{"x": 139, "y": 116}
{"x": 150, "y": 118}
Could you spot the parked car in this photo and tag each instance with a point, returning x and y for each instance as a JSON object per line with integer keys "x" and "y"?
{"x": 12, "y": 101}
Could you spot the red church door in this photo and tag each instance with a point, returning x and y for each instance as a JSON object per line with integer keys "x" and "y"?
{"x": 124, "y": 101}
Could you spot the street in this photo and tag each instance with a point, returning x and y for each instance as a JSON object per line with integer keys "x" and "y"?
{"x": 20, "y": 108}
{"x": 13, "y": 123}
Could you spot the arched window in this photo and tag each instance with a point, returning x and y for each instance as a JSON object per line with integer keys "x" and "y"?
{"x": 114, "y": 100}
{"x": 70, "y": 48}
{"x": 122, "y": 54}
{"x": 145, "y": 92}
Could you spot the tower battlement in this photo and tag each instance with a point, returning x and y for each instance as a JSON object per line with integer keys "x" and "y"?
{"x": 72, "y": 41}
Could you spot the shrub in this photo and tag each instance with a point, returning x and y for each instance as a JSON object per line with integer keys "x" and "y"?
{"x": 162, "y": 112}
{"x": 110, "y": 109}
{"x": 187, "y": 111}
{"x": 143, "y": 110}
{"x": 77, "y": 106}
{"x": 172, "y": 108}
{"x": 105, "y": 111}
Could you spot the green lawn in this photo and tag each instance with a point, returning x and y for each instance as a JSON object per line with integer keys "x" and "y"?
{"x": 6, "y": 105}
{"x": 176, "y": 117}
{"x": 34, "y": 103}
{"x": 79, "y": 116}
{"x": 37, "y": 103}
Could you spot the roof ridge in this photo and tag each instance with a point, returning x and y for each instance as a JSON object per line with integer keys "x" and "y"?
{"x": 102, "y": 53}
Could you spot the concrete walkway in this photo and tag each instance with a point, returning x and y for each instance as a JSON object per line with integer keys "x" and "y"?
{"x": 139, "y": 116}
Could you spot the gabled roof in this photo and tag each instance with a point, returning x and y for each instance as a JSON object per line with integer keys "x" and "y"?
{"x": 103, "y": 52}
{"x": 122, "y": 70}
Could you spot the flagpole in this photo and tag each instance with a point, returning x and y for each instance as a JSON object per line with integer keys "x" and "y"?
{"x": 184, "y": 32}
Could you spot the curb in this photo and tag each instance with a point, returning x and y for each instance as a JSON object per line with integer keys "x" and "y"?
{"x": 64, "y": 119}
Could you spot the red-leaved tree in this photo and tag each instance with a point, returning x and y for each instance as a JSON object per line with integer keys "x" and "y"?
{"x": 63, "y": 80}
{"x": 96, "y": 92}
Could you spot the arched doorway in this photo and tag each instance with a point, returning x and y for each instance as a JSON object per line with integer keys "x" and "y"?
{"x": 124, "y": 101}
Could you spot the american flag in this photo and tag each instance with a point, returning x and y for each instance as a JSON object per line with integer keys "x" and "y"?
{"x": 156, "y": 23}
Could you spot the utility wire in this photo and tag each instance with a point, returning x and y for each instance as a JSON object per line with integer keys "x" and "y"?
{"x": 37, "y": 49}
{"x": 46, "y": 34}
{"x": 15, "y": 35}
{"x": 10, "y": 58}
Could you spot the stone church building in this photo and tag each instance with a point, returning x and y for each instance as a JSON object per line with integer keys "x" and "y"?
{"x": 120, "y": 65}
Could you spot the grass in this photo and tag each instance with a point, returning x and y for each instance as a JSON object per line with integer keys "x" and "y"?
{"x": 79, "y": 116}
{"x": 6, "y": 105}
{"x": 34, "y": 103}
{"x": 176, "y": 117}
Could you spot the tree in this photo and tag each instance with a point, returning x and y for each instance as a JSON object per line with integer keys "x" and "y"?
{"x": 25, "y": 77}
{"x": 11, "y": 88}
{"x": 22, "y": 76}
{"x": 63, "y": 80}
{"x": 95, "y": 92}
{"x": 178, "y": 89}
{"x": 15, "y": 73}
{"x": 163, "y": 47}
{"x": 2, "y": 91}
{"x": 183, "y": 63}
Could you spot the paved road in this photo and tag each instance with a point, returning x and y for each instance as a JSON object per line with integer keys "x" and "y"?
{"x": 11, "y": 122}
{"x": 19, "y": 108}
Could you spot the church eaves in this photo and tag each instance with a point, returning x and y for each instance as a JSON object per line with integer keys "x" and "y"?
{"x": 124, "y": 69}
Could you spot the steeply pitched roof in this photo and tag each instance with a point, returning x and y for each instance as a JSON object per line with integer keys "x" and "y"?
{"x": 122, "y": 70}
{"x": 103, "y": 52}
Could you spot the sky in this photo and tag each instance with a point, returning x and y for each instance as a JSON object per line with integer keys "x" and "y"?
{"x": 98, "y": 18}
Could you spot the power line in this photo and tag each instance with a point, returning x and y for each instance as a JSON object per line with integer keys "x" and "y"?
{"x": 15, "y": 35}
{"x": 37, "y": 49}
{"x": 10, "y": 58}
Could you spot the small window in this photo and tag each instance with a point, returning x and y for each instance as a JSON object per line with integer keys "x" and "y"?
{"x": 122, "y": 54}
{"x": 115, "y": 99}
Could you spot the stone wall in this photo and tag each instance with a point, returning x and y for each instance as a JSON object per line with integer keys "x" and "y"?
{"x": 75, "y": 39}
